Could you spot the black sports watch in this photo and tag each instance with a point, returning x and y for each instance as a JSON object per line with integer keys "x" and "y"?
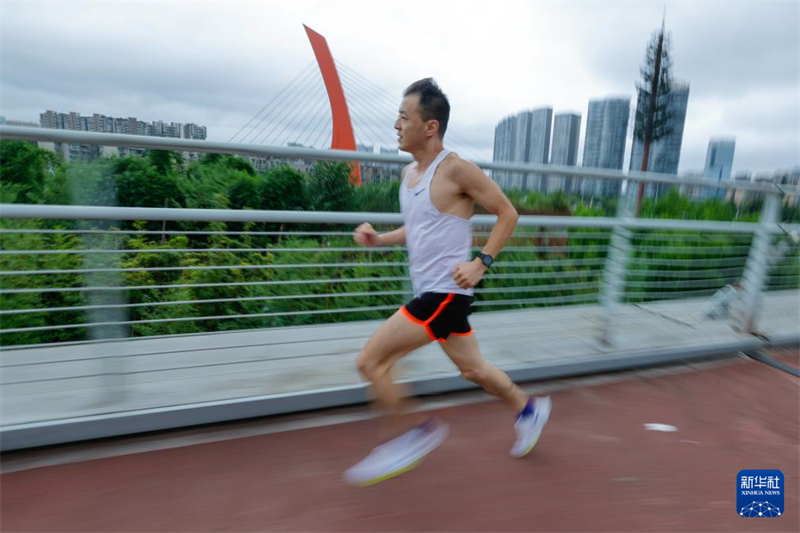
{"x": 486, "y": 259}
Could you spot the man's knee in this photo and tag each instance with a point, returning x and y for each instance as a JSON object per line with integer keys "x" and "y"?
{"x": 477, "y": 374}
{"x": 363, "y": 364}
{"x": 369, "y": 364}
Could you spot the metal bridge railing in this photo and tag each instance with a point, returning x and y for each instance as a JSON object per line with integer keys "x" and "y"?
{"x": 102, "y": 272}
{"x": 71, "y": 282}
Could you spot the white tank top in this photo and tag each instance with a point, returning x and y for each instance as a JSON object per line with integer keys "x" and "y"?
{"x": 436, "y": 241}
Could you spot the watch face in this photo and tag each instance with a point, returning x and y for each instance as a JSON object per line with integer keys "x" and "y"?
{"x": 487, "y": 260}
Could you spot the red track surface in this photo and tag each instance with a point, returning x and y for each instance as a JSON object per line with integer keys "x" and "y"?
{"x": 595, "y": 469}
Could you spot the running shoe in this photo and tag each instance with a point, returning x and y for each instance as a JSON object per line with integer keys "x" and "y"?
{"x": 399, "y": 455}
{"x": 529, "y": 428}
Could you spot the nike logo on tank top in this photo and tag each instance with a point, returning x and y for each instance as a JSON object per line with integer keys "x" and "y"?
{"x": 436, "y": 241}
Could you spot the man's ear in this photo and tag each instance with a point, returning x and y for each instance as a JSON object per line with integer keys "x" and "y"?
{"x": 431, "y": 128}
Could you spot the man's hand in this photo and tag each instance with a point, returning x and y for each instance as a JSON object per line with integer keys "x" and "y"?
{"x": 365, "y": 235}
{"x": 467, "y": 275}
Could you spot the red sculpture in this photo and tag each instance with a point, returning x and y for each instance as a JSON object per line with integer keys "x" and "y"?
{"x": 343, "y": 137}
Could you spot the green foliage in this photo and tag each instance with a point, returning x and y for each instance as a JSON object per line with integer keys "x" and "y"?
{"x": 141, "y": 182}
{"x": 553, "y": 203}
{"x": 206, "y": 184}
{"x": 208, "y": 180}
{"x": 283, "y": 189}
{"x": 329, "y": 187}
{"x": 165, "y": 162}
{"x": 676, "y": 206}
{"x": 39, "y": 300}
{"x": 380, "y": 197}
{"x": 656, "y": 122}
{"x": 244, "y": 192}
{"x": 24, "y": 169}
{"x": 93, "y": 183}
{"x": 791, "y": 214}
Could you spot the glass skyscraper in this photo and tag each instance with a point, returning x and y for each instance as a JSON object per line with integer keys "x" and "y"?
{"x": 719, "y": 159}
{"x": 604, "y": 146}
{"x": 566, "y": 134}
{"x": 719, "y": 163}
{"x": 522, "y": 138}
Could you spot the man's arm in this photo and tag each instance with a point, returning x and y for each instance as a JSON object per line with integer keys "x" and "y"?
{"x": 397, "y": 236}
{"x": 483, "y": 190}
{"x": 366, "y": 235}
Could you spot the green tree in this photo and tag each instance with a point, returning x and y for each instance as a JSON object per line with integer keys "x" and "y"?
{"x": 93, "y": 183}
{"x": 208, "y": 180}
{"x": 142, "y": 183}
{"x": 244, "y": 192}
{"x": 330, "y": 188}
{"x": 379, "y": 197}
{"x": 24, "y": 169}
{"x": 165, "y": 162}
{"x": 283, "y": 189}
{"x": 652, "y": 119}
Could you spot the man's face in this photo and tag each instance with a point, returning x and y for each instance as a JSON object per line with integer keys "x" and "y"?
{"x": 412, "y": 131}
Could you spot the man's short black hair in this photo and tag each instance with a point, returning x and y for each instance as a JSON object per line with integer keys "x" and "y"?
{"x": 433, "y": 104}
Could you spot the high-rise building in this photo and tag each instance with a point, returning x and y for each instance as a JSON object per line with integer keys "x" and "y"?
{"x": 566, "y": 134}
{"x": 539, "y": 152}
{"x": 103, "y": 124}
{"x": 523, "y": 138}
{"x": 128, "y": 126}
{"x": 719, "y": 159}
{"x": 604, "y": 144}
{"x": 665, "y": 153}
{"x": 504, "y": 144}
{"x": 719, "y": 163}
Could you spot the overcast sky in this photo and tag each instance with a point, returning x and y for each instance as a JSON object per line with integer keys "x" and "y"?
{"x": 218, "y": 63}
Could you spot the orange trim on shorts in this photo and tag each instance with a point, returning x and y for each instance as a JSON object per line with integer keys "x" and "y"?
{"x": 470, "y": 332}
{"x": 405, "y": 312}
{"x": 411, "y": 317}
{"x": 441, "y": 307}
{"x": 424, "y": 324}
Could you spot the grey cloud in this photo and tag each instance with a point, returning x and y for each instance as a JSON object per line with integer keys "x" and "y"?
{"x": 218, "y": 64}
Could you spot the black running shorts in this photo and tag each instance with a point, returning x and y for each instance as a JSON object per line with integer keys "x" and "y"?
{"x": 440, "y": 314}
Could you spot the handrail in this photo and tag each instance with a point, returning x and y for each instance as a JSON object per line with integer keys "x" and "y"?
{"x": 82, "y": 212}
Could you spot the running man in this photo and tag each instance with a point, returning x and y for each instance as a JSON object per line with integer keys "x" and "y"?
{"x": 437, "y": 198}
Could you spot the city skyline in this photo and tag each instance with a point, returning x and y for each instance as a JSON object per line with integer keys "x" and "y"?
{"x": 129, "y": 125}
{"x": 222, "y": 63}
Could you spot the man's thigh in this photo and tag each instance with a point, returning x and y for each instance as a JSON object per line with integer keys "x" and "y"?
{"x": 464, "y": 352}
{"x": 394, "y": 338}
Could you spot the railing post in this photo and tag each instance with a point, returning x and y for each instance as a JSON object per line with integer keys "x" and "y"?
{"x": 619, "y": 251}
{"x": 759, "y": 262}
{"x": 112, "y": 365}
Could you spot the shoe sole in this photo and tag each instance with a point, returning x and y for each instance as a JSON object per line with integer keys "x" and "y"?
{"x": 546, "y": 419}
{"x": 390, "y": 475}
{"x": 407, "y": 468}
